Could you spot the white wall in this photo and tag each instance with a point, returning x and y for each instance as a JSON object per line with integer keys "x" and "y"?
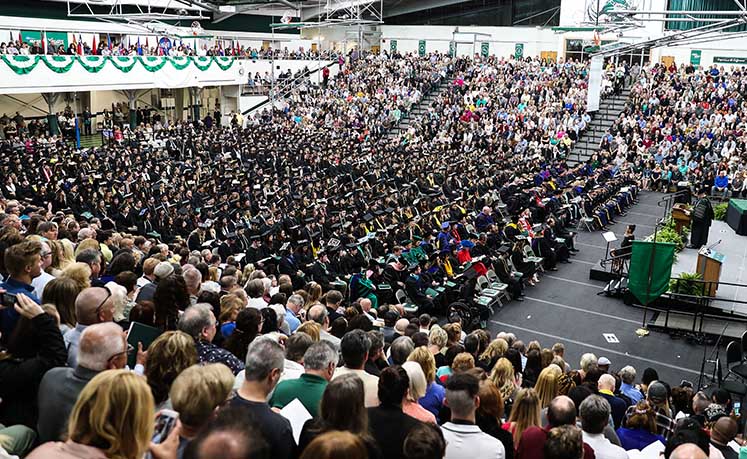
{"x": 502, "y": 40}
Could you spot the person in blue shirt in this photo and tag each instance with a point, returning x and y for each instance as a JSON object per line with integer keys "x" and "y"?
{"x": 627, "y": 375}
{"x": 721, "y": 184}
{"x": 23, "y": 263}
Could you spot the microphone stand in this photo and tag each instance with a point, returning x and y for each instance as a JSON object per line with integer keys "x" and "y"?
{"x": 716, "y": 350}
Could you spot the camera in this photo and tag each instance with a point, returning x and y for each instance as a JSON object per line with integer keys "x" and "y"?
{"x": 8, "y": 300}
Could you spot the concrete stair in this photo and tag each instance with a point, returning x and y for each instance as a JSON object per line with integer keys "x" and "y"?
{"x": 601, "y": 121}
{"x": 419, "y": 110}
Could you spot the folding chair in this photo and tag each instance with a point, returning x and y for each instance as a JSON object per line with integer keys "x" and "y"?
{"x": 402, "y": 299}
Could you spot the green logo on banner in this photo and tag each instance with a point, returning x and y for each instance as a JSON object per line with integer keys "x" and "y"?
{"x": 695, "y": 56}
{"x": 452, "y": 49}
{"x": 519, "y": 51}
{"x": 392, "y": 45}
{"x": 421, "y": 47}
{"x": 485, "y": 49}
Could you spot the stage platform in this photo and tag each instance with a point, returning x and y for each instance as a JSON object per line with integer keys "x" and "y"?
{"x": 565, "y": 308}
{"x": 734, "y": 248}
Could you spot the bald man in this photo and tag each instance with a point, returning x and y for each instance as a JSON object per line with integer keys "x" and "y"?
{"x": 93, "y": 305}
{"x": 101, "y": 347}
{"x": 688, "y": 451}
{"x": 722, "y": 432}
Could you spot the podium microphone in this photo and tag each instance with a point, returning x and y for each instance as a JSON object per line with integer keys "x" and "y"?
{"x": 708, "y": 249}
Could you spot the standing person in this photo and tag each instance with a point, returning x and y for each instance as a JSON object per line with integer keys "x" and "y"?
{"x": 702, "y": 216}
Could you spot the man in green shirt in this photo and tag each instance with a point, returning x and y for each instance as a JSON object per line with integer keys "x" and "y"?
{"x": 319, "y": 362}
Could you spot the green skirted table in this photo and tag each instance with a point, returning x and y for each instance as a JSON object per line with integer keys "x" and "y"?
{"x": 736, "y": 216}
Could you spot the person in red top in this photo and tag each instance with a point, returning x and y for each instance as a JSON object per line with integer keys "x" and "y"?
{"x": 560, "y": 412}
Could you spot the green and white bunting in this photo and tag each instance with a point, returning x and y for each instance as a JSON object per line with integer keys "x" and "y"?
{"x": 59, "y": 64}
{"x": 23, "y": 65}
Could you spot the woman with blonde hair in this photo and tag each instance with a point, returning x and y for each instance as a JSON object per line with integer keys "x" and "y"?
{"x": 437, "y": 340}
{"x": 336, "y": 444}
{"x": 196, "y": 394}
{"x": 315, "y": 292}
{"x": 113, "y": 419}
{"x": 525, "y": 413}
{"x": 506, "y": 380}
{"x": 59, "y": 260}
{"x": 168, "y": 355}
{"x": 230, "y": 306}
{"x": 433, "y": 399}
{"x": 415, "y": 392}
{"x": 547, "y": 385}
{"x": 80, "y": 273}
{"x": 312, "y": 329}
{"x": 496, "y": 349}
{"x": 87, "y": 244}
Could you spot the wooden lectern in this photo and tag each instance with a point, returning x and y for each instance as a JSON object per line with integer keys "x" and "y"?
{"x": 681, "y": 217}
{"x": 709, "y": 267}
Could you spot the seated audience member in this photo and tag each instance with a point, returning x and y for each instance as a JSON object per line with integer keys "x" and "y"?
{"x": 195, "y": 394}
{"x": 319, "y": 363}
{"x": 425, "y": 441}
{"x": 435, "y": 393}
{"x": 333, "y": 445}
{"x": 639, "y": 429}
{"x": 627, "y": 375}
{"x": 341, "y": 409}
{"x": 199, "y": 322}
{"x": 168, "y": 355}
{"x": 722, "y": 433}
{"x": 101, "y": 347}
{"x": 35, "y": 348}
{"x": 560, "y": 412}
{"x": 388, "y": 424}
{"x": 113, "y": 417}
{"x": 525, "y": 413}
{"x": 564, "y": 442}
{"x": 463, "y": 438}
{"x": 489, "y": 415}
{"x": 595, "y": 412}
{"x": 231, "y": 433}
{"x": 93, "y": 305}
{"x": 415, "y": 392}
{"x": 606, "y": 386}
{"x": 264, "y": 365}
{"x": 658, "y": 398}
{"x": 354, "y": 349}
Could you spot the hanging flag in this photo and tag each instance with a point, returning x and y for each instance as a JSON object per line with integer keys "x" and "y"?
{"x": 650, "y": 269}
{"x": 20, "y": 38}
{"x": 80, "y": 45}
{"x": 77, "y": 133}
{"x": 139, "y": 48}
{"x": 11, "y": 36}
{"x": 109, "y": 42}
{"x": 147, "y": 47}
{"x": 93, "y": 47}
{"x": 44, "y": 42}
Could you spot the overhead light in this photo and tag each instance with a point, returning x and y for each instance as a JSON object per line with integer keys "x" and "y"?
{"x": 227, "y": 9}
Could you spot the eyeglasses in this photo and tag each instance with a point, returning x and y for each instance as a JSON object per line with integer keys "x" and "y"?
{"x": 129, "y": 349}
{"x": 108, "y": 295}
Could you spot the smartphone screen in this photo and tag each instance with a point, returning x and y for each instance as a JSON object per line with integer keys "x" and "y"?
{"x": 165, "y": 421}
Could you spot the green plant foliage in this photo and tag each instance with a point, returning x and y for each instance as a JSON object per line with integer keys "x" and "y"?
{"x": 719, "y": 211}
{"x": 686, "y": 284}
